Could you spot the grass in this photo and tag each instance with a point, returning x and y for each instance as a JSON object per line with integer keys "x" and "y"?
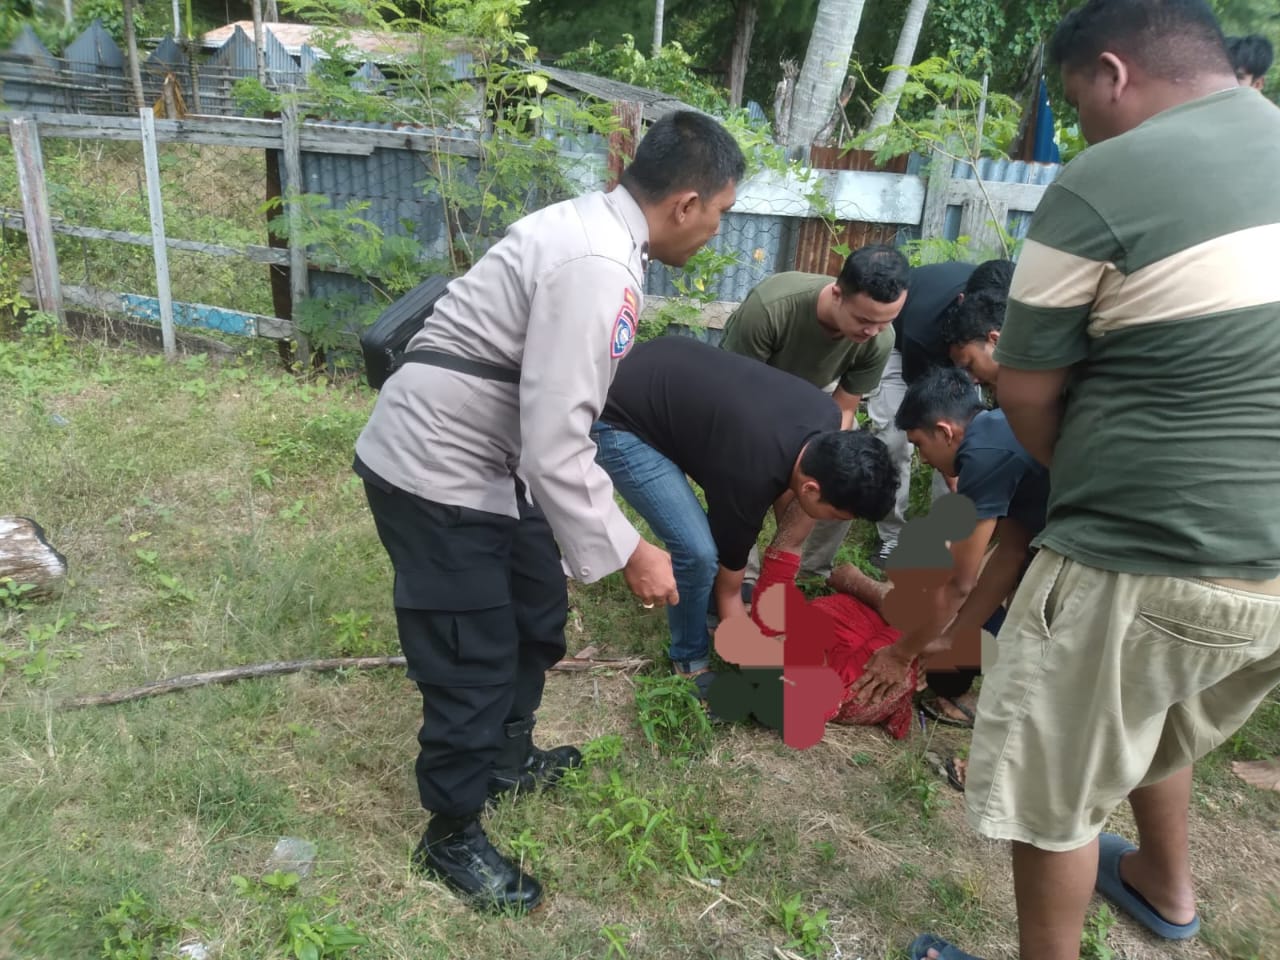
{"x": 210, "y": 518}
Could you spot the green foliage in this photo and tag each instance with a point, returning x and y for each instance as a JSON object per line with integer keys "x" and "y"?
{"x": 134, "y": 931}
{"x": 947, "y": 132}
{"x": 13, "y": 594}
{"x": 671, "y": 718}
{"x": 1070, "y": 140}
{"x": 14, "y": 307}
{"x": 340, "y": 237}
{"x": 304, "y": 936}
{"x": 1093, "y": 942}
{"x": 942, "y": 250}
{"x": 997, "y": 38}
{"x": 669, "y": 70}
{"x": 353, "y": 635}
{"x": 653, "y": 832}
{"x": 948, "y": 123}
{"x": 616, "y": 936}
{"x": 309, "y": 939}
{"x": 503, "y": 113}
{"x": 807, "y": 931}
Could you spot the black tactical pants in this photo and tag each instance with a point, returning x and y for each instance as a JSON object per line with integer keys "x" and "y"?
{"x": 481, "y": 605}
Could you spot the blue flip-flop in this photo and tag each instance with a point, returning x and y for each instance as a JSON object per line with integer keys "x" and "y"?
{"x": 1110, "y": 849}
{"x": 921, "y": 945}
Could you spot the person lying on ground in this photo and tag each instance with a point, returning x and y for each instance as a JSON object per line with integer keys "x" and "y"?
{"x": 858, "y": 631}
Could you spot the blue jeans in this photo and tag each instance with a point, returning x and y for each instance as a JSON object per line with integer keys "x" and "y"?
{"x": 658, "y": 490}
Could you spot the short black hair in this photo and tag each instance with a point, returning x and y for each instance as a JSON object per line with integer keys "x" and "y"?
{"x": 1252, "y": 54}
{"x": 880, "y": 271}
{"x": 944, "y": 393}
{"x": 1168, "y": 38}
{"x": 991, "y": 275}
{"x": 974, "y": 317}
{"x": 854, "y": 471}
{"x": 684, "y": 150}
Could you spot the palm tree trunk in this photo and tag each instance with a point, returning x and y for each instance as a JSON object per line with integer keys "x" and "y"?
{"x": 131, "y": 51}
{"x": 902, "y": 57}
{"x": 739, "y": 55}
{"x": 826, "y": 64}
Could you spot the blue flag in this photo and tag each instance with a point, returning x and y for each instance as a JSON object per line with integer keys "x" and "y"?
{"x": 1046, "y": 148}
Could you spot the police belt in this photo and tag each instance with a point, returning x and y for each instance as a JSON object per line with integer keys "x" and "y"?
{"x": 475, "y": 368}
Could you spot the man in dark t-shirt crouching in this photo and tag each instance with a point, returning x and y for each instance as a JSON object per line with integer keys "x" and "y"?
{"x": 1009, "y": 490}
{"x": 752, "y": 437}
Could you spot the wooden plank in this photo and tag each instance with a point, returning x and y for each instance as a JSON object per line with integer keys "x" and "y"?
{"x": 35, "y": 205}
{"x": 854, "y": 195}
{"x": 622, "y": 143}
{"x": 192, "y": 315}
{"x": 976, "y": 222}
{"x": 933, "y": 222}
{"x": 251, "y": 252}
{"x": 253, "y": 134}
{"x": 1023, "y": 197}
{"x": 297, "y": 250}
{"x": 155, "y": 202}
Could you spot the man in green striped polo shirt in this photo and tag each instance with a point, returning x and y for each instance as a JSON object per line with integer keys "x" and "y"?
{"x": 1140, "y": 361}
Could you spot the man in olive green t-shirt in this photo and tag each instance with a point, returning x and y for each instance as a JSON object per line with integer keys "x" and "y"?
{"x": 837, "y": 333}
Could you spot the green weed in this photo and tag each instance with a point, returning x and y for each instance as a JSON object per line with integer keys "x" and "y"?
{"x": 671, "y": 718}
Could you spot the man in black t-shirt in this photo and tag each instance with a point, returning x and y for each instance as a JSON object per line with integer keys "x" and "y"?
{"x": 919, "y": 346}
{"x": 752, "y": 437}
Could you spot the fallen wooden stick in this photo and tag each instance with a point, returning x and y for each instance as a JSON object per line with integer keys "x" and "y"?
{"x": 157, "y": 687}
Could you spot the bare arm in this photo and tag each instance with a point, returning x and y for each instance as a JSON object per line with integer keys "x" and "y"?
{"x": 887, "y": 668}
{"x": 967, "y": 555}
{"x": 848, "y": 404}
{"x": 794, "y": 527}
{"x": 1032, "y": 402}
{"x": 728, "y": 593}
{"x": 848, "y": 579}
{"x": 998, "y": 580}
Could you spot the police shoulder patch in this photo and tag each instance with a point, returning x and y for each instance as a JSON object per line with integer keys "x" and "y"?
{"x": 624, "y": 326}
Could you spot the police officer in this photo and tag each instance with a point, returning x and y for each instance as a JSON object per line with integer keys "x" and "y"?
{"x": 477, "y": 462}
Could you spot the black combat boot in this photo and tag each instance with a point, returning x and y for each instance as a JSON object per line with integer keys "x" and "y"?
{"x": 523, "y": 768}
{"x": 457, "y": 852}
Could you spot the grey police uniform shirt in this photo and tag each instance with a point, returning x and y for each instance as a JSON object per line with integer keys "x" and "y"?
{"x": 558, "y": 297}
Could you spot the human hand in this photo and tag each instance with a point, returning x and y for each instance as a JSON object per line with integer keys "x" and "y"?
{"x": 650, "y": 576}
{"x": 884, "y": 673}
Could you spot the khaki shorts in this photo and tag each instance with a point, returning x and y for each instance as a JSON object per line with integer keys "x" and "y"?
{"x": 1104, "y": 682}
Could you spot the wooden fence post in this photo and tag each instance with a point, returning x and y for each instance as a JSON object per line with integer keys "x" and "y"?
{"x": 35, "y": 215}
{"x": 622, "y": 144}
{"x": 293, "y": 199}
{"x": 158, "y": 245}
{"x": 937, "y": 193}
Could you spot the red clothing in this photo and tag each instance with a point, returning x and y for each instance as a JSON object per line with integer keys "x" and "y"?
{"x": 859, "y": 631}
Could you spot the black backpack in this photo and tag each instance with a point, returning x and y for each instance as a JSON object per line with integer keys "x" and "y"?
{"x": 383, "y": 343}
